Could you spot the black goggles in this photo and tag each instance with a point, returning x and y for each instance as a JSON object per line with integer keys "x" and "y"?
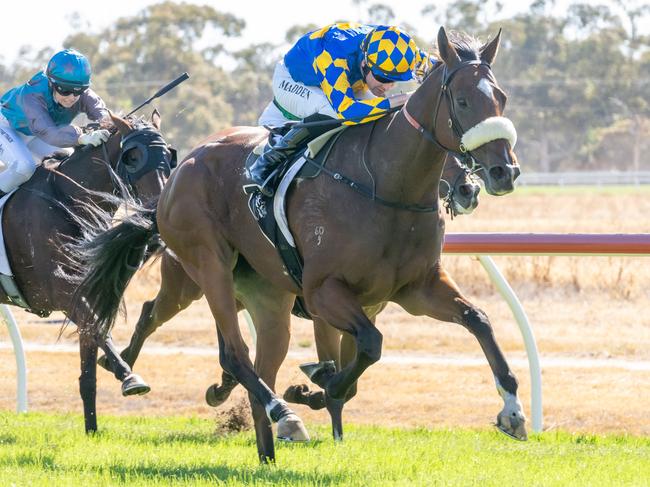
{"x": 69, "y": 90}
{"x": 379, "y": 78}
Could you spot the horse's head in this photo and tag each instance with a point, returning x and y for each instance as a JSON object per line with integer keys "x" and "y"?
{"x": 143, "y": 160}
{"x": 468, "y": 117}
{"x": 459, "y": 188}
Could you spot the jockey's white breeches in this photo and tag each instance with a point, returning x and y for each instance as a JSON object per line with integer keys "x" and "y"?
{"x": 296, "y": 99}
{"x": 20, "y": 154}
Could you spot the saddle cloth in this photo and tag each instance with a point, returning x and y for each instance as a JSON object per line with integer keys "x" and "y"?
{"x": 270, "y": 212}
{"x": 7, "y": 281}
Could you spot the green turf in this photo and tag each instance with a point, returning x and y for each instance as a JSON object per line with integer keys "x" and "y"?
{"x": 40, "y": 449}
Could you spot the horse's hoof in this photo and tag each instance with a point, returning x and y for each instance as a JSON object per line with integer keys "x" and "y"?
{"x": 216, "y": 395}
{"x": 134, "y": 385}
{"x": 301, "y": 394}
{"x": 103, "y": 363}
{"x": 319, "y": 372}
{"x": 296, "y": 394}
{"x": 512, "y": 424}
{"x": 291, "y": 428}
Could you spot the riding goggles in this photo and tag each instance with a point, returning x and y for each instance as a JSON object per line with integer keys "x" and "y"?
{"x": 379, "y": 78}
{"x": 64, "y": 90}
{"x": 382, "y": 79}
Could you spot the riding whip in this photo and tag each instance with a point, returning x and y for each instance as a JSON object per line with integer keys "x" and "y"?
{"x": 161, "y": 91}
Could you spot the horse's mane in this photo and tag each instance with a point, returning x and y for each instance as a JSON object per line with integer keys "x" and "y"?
{"x": 136, "y": 122}
{"x": 468, "y": 47}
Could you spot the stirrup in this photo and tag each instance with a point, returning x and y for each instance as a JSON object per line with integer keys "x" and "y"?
{"x": 263, "y": 188}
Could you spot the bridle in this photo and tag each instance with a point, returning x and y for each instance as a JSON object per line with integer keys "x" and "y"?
{"x": 449, "y": 200}
{"x": 464, "y": 155}
{"x": 143, "y": 139}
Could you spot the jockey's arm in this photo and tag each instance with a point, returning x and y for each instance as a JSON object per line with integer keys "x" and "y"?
{"x": 42, "y": 125}
{"x": 334, "y": 81}
{"x": 93, "y": 106}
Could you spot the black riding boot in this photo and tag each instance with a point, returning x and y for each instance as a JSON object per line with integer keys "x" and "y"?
{"x": 263, "y": 168}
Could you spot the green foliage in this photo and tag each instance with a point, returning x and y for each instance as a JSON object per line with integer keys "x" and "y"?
{"x": 39, "y": 449}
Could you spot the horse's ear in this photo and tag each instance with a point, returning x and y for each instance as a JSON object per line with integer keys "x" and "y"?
{"x": 489, "y": 51}
{"x": 122, "y": 125}
{"x": 447, "y": 51}
{"x": 155, "y": 118}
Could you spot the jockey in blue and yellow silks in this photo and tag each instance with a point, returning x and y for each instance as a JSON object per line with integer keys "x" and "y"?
{"x": 35, "y": 118}
{"x": 342, "y": 71}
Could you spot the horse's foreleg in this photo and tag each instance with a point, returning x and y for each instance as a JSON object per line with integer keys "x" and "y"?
{"x": 336, "y": 304}
{"x": 438, "y": 296}
{"x": 88, "y": 378}
{"x": 132, "y": 384}
{"x": 177, "y": 291}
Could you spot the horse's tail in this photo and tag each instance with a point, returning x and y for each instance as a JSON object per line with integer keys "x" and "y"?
{"x": 106, "y": 261}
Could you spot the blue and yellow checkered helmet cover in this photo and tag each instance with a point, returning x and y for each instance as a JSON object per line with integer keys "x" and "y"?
{"x": 390, "y": 53}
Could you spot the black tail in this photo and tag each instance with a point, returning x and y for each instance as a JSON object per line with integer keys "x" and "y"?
{"x": 107, "y": 261}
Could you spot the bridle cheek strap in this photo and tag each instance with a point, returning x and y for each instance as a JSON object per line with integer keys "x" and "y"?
{"x": 490, "y": 129}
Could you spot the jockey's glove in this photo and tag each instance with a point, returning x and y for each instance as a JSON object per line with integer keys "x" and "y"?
{"x": 94, "y": 137}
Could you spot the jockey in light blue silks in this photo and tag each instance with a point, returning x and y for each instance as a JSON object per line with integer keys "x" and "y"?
{"x": 342, "y": 71}
{"x": 35, "y": 118}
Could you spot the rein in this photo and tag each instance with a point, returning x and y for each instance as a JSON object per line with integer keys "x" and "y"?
{"x": 464, "y": 155}
{"x": 369, "y": 193}
{"x": 448, "y": 200}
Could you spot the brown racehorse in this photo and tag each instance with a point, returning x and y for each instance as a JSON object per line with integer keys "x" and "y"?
{"x": 459, "y": 191}
{"x": 44, "y": 213}
{"x": 369, "y": 251}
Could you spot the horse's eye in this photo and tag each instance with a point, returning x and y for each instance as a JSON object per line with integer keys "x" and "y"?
{"x": 462, "y": 102}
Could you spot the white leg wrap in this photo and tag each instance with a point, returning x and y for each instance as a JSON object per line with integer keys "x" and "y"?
{"x": 511, "y": 403}
{"x": 268, "y": 407}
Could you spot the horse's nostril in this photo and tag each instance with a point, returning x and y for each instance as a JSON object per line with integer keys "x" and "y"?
{"x": 465, "y": 190}
{"x": 517, "y": 172}
{"x": 497, "y": 172}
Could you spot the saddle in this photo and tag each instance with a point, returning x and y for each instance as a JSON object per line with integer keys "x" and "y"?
{"x": 270, "y": 211}
{"x": 8, "y": 283}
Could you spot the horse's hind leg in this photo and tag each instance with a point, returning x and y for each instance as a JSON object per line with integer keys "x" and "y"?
{"x": 270, "y": 310}
{"x": 438, "y": 296}
{"x": 271, "y": 313}
{"x": 328, "y": 345}
{"x": 210, "y": 268}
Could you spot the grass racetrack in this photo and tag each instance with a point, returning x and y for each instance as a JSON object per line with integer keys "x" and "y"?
{"x": 44, "y": 449}
{"x": 432, "y": 393}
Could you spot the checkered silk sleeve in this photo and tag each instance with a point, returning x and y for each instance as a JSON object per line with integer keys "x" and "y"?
{"x": 334, "y": 80}
{"x": 424, "y": 63}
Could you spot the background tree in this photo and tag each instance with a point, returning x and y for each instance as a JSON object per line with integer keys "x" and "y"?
{"x": 578, "y": 84}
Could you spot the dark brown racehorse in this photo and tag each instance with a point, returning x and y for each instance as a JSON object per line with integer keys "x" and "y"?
{"x": 367, "y": 252}
{"x": 458, "y": 189}
{"x": 44, "y": 214}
